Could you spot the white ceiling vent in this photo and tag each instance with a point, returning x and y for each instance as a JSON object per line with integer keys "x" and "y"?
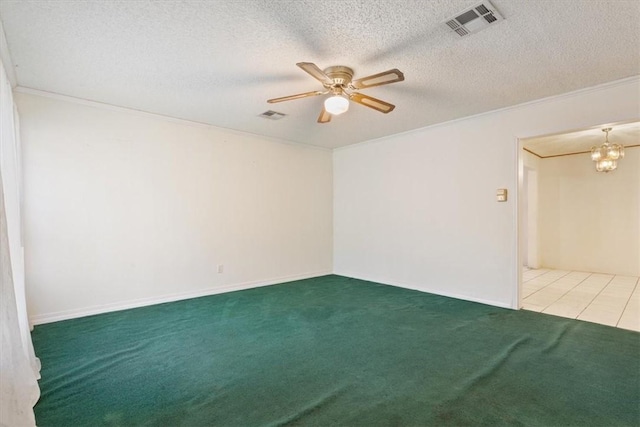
{"x": 272, "y": 115}
{"x": 474, "y": 19}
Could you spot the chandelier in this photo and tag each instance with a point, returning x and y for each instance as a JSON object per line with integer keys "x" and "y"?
{"x": 606, "y": 156}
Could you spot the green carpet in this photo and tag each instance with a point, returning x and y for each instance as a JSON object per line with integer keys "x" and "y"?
{"x": 335, "y": 351}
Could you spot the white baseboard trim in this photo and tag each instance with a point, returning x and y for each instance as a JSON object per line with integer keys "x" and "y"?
{"x": 41, "y": 319}
{"x": 424, "y": 289}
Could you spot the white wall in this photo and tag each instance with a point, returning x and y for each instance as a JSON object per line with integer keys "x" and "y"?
{"x": 590, "y": 221}
{"x": 528, "y": 197}
{"x": 124, "y": 208}
{"x": 419, "y": 210}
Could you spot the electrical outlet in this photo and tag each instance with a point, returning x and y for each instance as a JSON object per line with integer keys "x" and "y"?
{"x": 220, "y": 268}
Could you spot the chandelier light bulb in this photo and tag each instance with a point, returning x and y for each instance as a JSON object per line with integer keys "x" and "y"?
{"x": 336, "y": 105}
{"x": 615, "y": 151}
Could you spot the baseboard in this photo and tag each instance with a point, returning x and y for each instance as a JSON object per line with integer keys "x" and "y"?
{"x": 125, "y": 305}
{"x": 424, "y": 289}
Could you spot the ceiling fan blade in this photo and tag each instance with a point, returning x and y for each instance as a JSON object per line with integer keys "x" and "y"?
{"x": 324, "y": 116}
{"x": 383, "y": 78}
{"x": 371, "y": 102}
{"x": 315, "y": 72}
{"x": 298, "y": 96}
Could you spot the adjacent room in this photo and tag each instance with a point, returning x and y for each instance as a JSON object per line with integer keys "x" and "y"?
{"x": 579, "y": 226}
{"x": 261, "y": 213}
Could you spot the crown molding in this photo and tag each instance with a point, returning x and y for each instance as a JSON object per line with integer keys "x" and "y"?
{"x": 156, "y": 116}
{"x": 578, "y": 92}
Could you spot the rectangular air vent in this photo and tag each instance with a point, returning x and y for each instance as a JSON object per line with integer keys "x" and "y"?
{"x": 474, "y": 19}
{"x": 272, "y": 115}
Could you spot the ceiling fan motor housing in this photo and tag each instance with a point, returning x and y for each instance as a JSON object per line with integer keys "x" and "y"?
{"x": 340, "y": 75}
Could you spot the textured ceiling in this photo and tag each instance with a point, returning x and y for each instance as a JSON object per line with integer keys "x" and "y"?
{"x": 627, "y": 134}
{"x": 218, "y": 62}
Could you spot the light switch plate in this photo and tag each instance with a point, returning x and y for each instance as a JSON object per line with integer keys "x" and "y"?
{"x": 501, "y": 195}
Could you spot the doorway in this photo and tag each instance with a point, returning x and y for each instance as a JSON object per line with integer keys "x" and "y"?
{"x": 578, "y": 229}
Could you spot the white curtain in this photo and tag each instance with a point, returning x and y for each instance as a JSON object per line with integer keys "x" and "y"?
{"x": 19, "y": 368}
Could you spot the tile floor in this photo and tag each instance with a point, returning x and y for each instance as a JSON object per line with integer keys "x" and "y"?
{"x": 600, "y": 298}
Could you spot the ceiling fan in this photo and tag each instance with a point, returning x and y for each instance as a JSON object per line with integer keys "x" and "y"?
{"x": 338, "y": 80}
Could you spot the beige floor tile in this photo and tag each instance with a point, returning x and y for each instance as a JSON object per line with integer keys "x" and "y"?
{"x": 625, "y": 279}
{"x": 571, "y": 282}
{"x": 610, "y": 301}
{"x": 620, "y": 288}
{"x": 555, "y": 276}
{"x": 543, "y": 298}
{"x": 580, "y": 295}
{"x": 574, "y": 303}
{"x": 563, "y": 286}
{"x": 605, "y": 310}
{"x": 529, "y": 275}
{"x": 593, "y": 297}
{"x": 600, "y": 278}
{"x": 604, "y": 318}
{"x": 591, "y": 287}
{"x": 562, "y": 310}
{"x": 537, "y": 282}
{"x": 617, "y": 293}
{"x": 630, "y": 326}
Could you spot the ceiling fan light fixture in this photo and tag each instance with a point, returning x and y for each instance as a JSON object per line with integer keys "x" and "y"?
{"x": 336, "y": 105}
